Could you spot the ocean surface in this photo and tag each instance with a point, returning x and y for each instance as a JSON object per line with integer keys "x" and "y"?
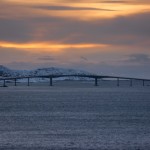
{"x": 75, "y": 117}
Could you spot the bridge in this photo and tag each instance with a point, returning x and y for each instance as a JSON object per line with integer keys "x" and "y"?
{"x": 51, "y": 77}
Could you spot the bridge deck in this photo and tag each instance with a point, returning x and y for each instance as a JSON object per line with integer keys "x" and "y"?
{"x": 95, "y": 77}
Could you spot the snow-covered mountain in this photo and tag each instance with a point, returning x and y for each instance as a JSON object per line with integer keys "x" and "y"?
{"x": 6, "y": 72}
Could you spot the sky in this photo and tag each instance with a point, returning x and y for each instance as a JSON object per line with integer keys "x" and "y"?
{"x": 109, "y": 37}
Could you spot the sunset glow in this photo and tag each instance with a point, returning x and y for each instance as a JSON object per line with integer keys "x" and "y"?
{"x": 47, "y": 46}
{"x": 74, "y": 10}
{"x": 82, "y": 33}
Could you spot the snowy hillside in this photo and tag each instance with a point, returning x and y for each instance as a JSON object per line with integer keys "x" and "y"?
{"x": 6, "y": 72}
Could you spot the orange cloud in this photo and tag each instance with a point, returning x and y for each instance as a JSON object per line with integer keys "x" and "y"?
{"x": 20, "y": 8}
{"x": 48, "y": 46}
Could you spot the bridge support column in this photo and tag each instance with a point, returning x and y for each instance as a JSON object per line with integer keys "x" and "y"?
{"x": 28, "y": 81}
{"x": 131, "y": 82}
{"x": 143, "y": 82}
{"x": 4, "y": 83}
{"x": 51, "y": 81}
{"x": 96, "y": 81}
{"x": 15, "y": 82}
{"x": 118, "y": 82}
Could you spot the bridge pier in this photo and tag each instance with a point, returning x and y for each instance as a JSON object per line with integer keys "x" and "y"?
{"x": 4, "y": 83}
{"x": 143, "y": 82}
{"x": 28, "y": 81}
{"x": 118, "y": 82}
{"x": 96, "y": 81}
{"x": 15, "y": 82}
{"x": 51, "y": 81}
{"x": 131, "y": 82}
